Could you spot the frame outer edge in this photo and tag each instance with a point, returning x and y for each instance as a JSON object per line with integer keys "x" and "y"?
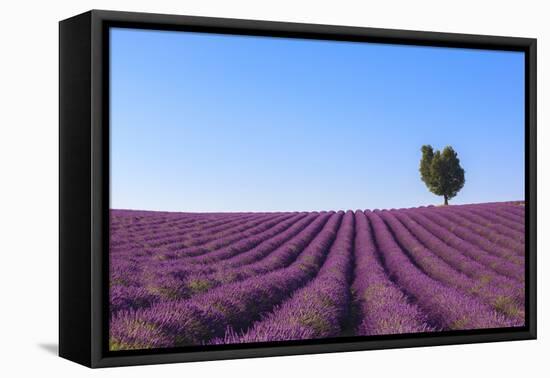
{"x": 532, "y": 51}
{"x": 74, "y": 192}
{"x": 98, "y": 127}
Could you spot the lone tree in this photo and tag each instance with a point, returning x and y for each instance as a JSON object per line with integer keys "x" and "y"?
{"x": 441, "y": 172}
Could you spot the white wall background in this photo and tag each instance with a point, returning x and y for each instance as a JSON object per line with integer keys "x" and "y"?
{"x": 29, "y": 186}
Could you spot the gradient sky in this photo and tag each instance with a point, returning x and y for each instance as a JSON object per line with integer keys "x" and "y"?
{"x": 206, "y": 122}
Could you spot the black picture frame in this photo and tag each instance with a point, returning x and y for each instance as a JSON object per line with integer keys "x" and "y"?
{"x": 84, "y": 185}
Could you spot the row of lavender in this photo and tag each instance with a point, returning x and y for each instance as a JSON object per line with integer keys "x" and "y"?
{"x": 189, "y": 279}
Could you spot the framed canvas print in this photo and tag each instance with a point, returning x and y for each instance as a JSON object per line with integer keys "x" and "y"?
{"x": 235, "y": 188}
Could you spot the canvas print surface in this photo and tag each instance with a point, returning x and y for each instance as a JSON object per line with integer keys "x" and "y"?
{"x": 273, "y": 189}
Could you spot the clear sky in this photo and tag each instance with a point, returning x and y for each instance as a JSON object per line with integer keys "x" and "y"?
{"x": 206, "y": 122}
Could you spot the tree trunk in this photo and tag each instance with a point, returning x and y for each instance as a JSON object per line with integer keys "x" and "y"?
{"x": 446, "y": 200}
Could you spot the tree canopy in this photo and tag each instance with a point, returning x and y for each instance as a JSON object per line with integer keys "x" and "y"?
{"x": 441, "y": 172}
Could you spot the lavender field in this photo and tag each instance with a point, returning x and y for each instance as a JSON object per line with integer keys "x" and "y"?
{"x": 180, "y": 279}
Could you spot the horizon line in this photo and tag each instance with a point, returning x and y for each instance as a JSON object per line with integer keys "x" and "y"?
{"x": 318, "y": 211}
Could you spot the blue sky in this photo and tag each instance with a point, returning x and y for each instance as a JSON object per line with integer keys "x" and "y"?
{"x": 205, "y": 122}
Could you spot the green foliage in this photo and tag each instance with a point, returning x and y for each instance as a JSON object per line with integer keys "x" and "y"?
{"x": 441, "y": 172}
